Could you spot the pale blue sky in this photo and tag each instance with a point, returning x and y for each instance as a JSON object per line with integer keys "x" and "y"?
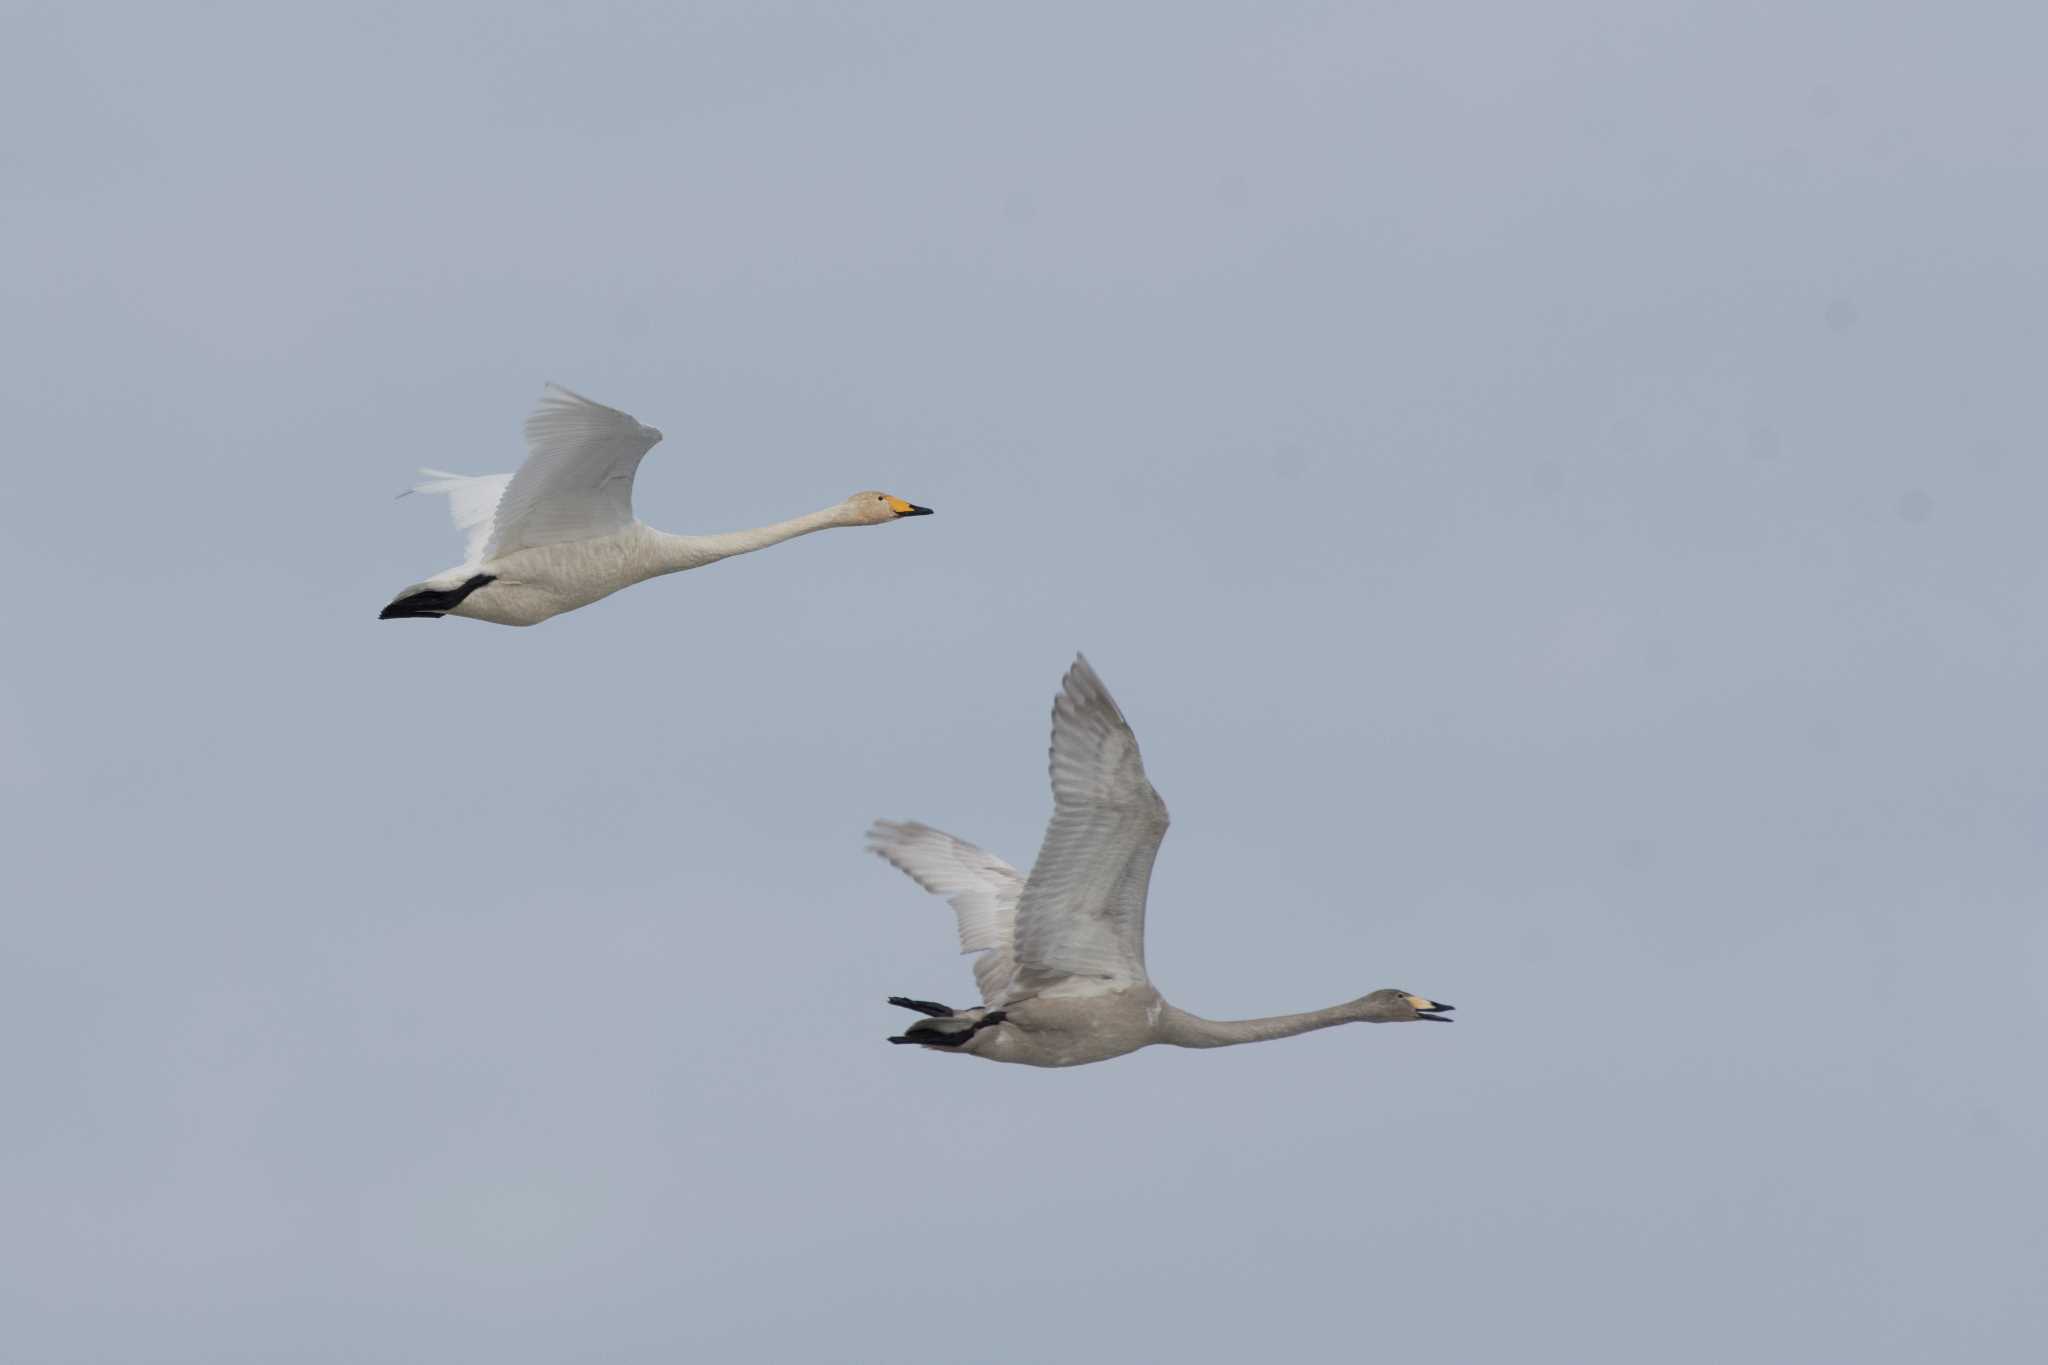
{"x": 1557, "y": 490}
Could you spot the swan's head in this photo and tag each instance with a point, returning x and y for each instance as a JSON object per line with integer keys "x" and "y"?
{"x": 1398, "y": 1007}
{"x": 874, "y": 507}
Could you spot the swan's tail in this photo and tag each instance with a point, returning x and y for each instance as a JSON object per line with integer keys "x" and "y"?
{"x": 424, "y": 599}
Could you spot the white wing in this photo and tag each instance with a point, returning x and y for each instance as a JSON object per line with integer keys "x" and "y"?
{"x": 577, "y": 481}
{"x": 1082, "y": 913}
{"x": 981, "y": 888}
{"x": 472, "y": 499}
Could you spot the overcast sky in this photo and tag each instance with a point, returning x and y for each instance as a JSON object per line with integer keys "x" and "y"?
{"x": 1557, "y": 490}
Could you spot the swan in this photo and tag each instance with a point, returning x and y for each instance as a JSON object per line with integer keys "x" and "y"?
{"x": 560, "y": 533}
{"x": 1062, "y": 953}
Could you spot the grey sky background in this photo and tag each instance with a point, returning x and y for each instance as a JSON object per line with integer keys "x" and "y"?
{"x": 1556, "y": 489}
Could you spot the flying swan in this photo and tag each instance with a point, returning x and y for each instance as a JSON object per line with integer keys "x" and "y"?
{"x": 1062, "y": 965}
{"x": 560, "y": 534}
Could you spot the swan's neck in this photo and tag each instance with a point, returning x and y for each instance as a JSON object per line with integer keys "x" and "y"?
{"x": 1182, "y": 1029}
{"x": 673, "y": 554}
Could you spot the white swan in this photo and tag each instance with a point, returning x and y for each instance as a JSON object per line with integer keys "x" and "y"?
{"x": 560, "y": 533}
{"x": 1062, "y": 971}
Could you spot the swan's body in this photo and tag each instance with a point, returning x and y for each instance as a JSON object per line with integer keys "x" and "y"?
{"x": 560, "y": 533}
{"x": 1062, "y": 965}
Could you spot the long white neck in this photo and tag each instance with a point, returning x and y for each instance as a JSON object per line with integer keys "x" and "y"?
{"x": 1182, "y": 1029}
{"x": 672, "y": 554}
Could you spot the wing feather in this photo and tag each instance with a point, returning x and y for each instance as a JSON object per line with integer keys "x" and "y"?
{"x": 981, "y": 888}
{"x": 577, "y": 481}
{"x": 1082, "y": 913}
{"x": 472, "y": 503}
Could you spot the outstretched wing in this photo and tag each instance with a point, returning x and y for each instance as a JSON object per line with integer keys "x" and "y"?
{"x": 577, "y": 481}
{"x": 981, "y": 888}
{"x": 1082, "y": 913}
{"x": 472, "y": 501}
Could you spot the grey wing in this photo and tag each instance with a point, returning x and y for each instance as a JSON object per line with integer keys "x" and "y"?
{"x": 981, "y": 888}
{"x": 1082, "y": 913}
{"x": 577, "y": 482}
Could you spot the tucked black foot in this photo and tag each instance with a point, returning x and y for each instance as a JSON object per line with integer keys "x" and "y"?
{"x": 431, "y": 602}
{"x": 925, "y": 1036}
{"x": 936, "y": 1011}
{"x": 934, "y": 1038}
